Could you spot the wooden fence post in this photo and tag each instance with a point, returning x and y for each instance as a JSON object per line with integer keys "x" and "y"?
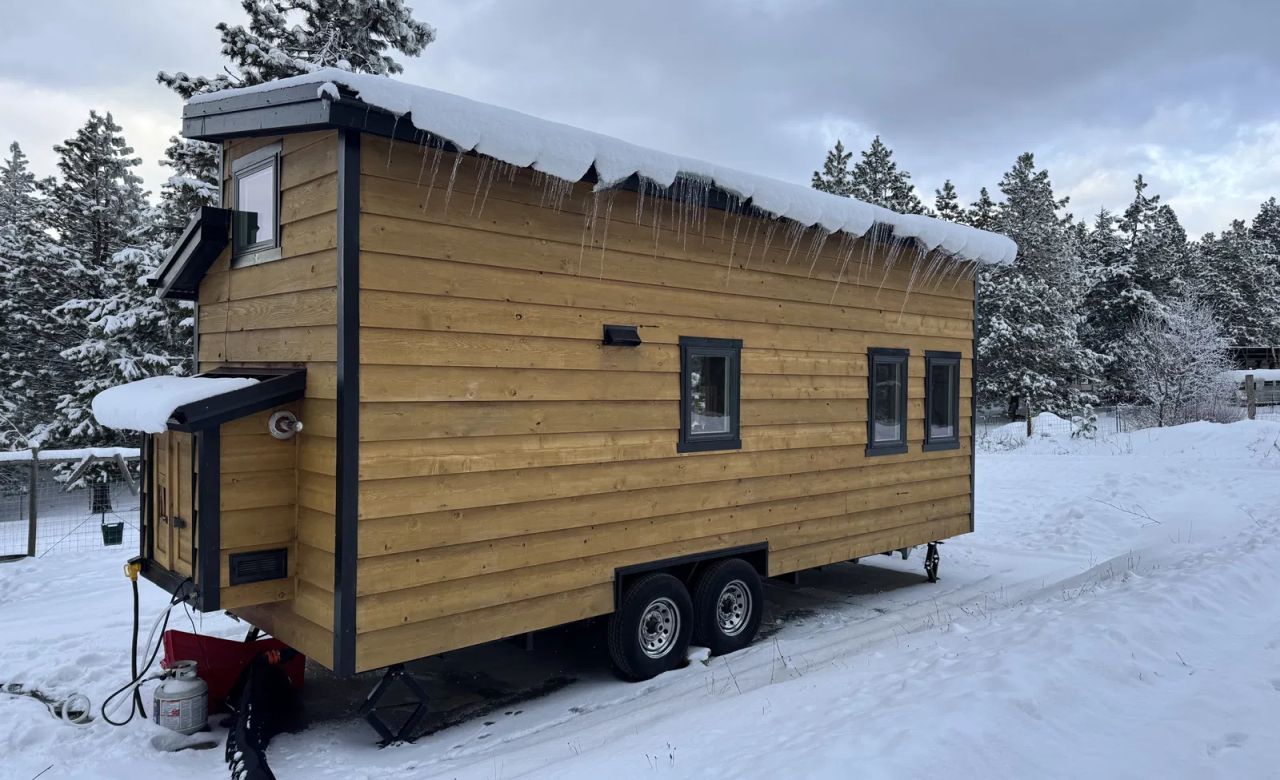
{"x": 33, "y": 502}
{"x": 1251, "y": 396}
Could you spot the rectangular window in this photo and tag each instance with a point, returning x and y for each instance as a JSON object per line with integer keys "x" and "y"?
{"x": 710, "y": 378}
{"x": 255, "y": 191}
{"x": 887, "y": 401}
{"x": 941, "y": 400}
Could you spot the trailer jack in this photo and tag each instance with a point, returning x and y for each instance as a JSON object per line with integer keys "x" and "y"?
{"x": 931, "y": 561}
{"x": 407, "y": 732}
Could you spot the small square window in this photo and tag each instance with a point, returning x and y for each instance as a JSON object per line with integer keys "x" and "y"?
{"x": 941, "y": 400}
{"x": 710, "y": 378}
{"x": 255, "y": 193}
{"x": 887, "y": 401}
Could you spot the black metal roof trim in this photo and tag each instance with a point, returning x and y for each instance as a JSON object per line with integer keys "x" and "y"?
{"x": 275, "y": 386}
{"x": 204, "y": 238}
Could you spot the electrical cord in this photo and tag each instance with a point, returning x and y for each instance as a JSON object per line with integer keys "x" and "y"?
{"x": 149, "y": 652}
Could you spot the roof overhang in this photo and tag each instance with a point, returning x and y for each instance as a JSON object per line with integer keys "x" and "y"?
{"x": 204, "y": 238}
{"x": 275, "y": 386}
{"x": 289, "y": 110}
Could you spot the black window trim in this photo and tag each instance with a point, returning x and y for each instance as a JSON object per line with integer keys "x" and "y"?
{"x": 252, "y": 162}
{"x": 952, "y": 359}
{"x": 875, "y": 356}
{"x": 705, "y": 442}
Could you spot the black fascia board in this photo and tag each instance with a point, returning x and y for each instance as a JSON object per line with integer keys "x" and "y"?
{"x": 204, "y": 238}
{"x": 275, "y": 387}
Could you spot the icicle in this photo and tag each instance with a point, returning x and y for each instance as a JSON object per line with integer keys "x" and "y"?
{"x": 604, "y": 237}
{"x": 848, "y": 245}
{"x": 795, "y": 232}
{"x": 487, "y": 185}
{"x": 453, "y": 178}
{"x": 435, "y": 168}
{"x": 392, "y": 145}
{"x": 819, "y": 240}
{"x": 588, "y": 223}
{"x": 733, "y": 244}
{"x": 755, "y": 232}
{"x": 481, "y": 171}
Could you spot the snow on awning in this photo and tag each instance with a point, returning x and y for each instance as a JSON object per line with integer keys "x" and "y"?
{"x": 568, "y": 153}
{"x": 1259, "y": 374}
{"x": 147, "y": 405}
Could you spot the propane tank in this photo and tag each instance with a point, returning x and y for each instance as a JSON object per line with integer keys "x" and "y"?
{"x": 181, "y": 701}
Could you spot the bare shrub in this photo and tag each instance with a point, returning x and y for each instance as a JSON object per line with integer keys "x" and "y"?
{"x": 1177, "y": 359}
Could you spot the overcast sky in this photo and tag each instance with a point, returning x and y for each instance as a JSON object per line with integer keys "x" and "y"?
{"x": 1185, "y": 92}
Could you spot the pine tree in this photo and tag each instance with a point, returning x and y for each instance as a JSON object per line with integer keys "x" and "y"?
{"x": 28, "y": 277}
{"x": 194, "y": 183}
{"x": 877, "y": 179}
{"x": 982, "y": 212}
{"x": 946, "y": 203}
{"x": 291, "y": 37}
{"x": 1143, "y": 266}
{"x": 1266, "y": 228}
{"x": 1236, "y": 276}
{"x": 1029, "y": 320}
{"x": 835, "y": 176}
{"x": 98, "y": 210}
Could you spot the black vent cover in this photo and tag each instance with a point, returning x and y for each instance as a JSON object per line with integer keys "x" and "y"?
{"x": 259, "y": 565}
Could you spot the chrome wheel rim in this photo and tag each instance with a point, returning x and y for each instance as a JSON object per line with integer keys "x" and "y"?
{"x": 659, "y": 627}
{"x": 733, "y": 608}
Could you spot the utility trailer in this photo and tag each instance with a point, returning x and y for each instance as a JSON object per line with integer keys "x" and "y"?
{"x": 540, "y": 375}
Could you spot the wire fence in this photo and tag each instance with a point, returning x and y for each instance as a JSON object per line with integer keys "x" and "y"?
{"x": 79, "y": 502}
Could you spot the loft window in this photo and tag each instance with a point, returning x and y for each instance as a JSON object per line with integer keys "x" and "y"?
{"x": 710, "y": 378}
{"x": 941, "y": 400}
{"x": 887, "y": 401}
{"x": 255, "y": 183}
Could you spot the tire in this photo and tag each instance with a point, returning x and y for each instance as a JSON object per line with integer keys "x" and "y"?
{"x": 656, "y": 608}
{"x": 728, "y": 603}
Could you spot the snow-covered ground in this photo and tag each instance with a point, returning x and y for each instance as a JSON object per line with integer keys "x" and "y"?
{"x": 1113, "y": 616}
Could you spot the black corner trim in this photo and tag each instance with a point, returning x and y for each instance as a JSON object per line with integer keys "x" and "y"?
{"x": 276, "y": 386}
{"x": 203, "y": 239}
{"x": 208, "y": 536}
{"x": 346, "y": 502}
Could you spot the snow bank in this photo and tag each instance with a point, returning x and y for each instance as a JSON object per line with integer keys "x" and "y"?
{"x": 76, "y": 454}
{"x": 147, "y": 404}
{"x": 568, "y": 153}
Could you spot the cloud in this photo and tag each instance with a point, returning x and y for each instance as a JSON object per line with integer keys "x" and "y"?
{"x": 1099, "y": 90}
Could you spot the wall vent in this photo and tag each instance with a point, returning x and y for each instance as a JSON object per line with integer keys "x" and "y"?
{"x": 258, "y": 566}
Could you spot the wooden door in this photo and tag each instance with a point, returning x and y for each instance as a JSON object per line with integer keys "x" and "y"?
{"x": 174, "y": 501}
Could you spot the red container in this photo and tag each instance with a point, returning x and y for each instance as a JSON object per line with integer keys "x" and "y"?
{"x": 220, "y": 661}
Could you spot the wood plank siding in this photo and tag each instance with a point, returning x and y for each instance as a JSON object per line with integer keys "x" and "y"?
{"x": 509, "y": 462}
{"x": 282, "y": 313}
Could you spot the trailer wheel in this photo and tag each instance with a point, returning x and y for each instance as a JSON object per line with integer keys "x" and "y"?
{"x": 727, "y": 606}
{"x": 650, "y": 630}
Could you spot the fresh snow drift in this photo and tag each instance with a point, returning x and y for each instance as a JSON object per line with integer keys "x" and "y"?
{"x": 568, "y": 153}
{"x": 147, "y": 404}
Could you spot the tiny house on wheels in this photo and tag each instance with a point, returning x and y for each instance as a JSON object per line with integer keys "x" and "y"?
{"x": 465, "y": 374}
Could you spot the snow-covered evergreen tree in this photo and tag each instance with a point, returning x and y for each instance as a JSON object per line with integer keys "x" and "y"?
{"x": 1029, "y": 322}
{"x": 194, "y": 183}
{"x": 1266, "y": 227}
{"x": 835, "y": 176}
{"x": 946, "y": 203}
{"x": 1236, "y": 276}
{"x": 109, "y": 325}
{"x": 290, "y": 37}
{"x": 877, "y": 179}
{"x": 982, "y": 212}
{"x": 29, "y": 277}
{"x": 1136, "y": 270}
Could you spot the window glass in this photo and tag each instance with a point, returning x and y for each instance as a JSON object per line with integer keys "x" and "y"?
{"x": 887, "y": 401}
{"x": 256, "y": 196}
{"x": 942, "y": 387}
{"x": 709, "y": 394}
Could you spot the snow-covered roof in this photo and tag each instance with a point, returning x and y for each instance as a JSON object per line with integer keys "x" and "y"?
{"x": 568, "y": 153}
{"x": 147, "y": 405}
{"x": 1259, "y": 374}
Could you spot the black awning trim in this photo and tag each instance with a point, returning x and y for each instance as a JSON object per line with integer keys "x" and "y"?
{"x": 276, "y": 386}
{"x": 204, "y": 238}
